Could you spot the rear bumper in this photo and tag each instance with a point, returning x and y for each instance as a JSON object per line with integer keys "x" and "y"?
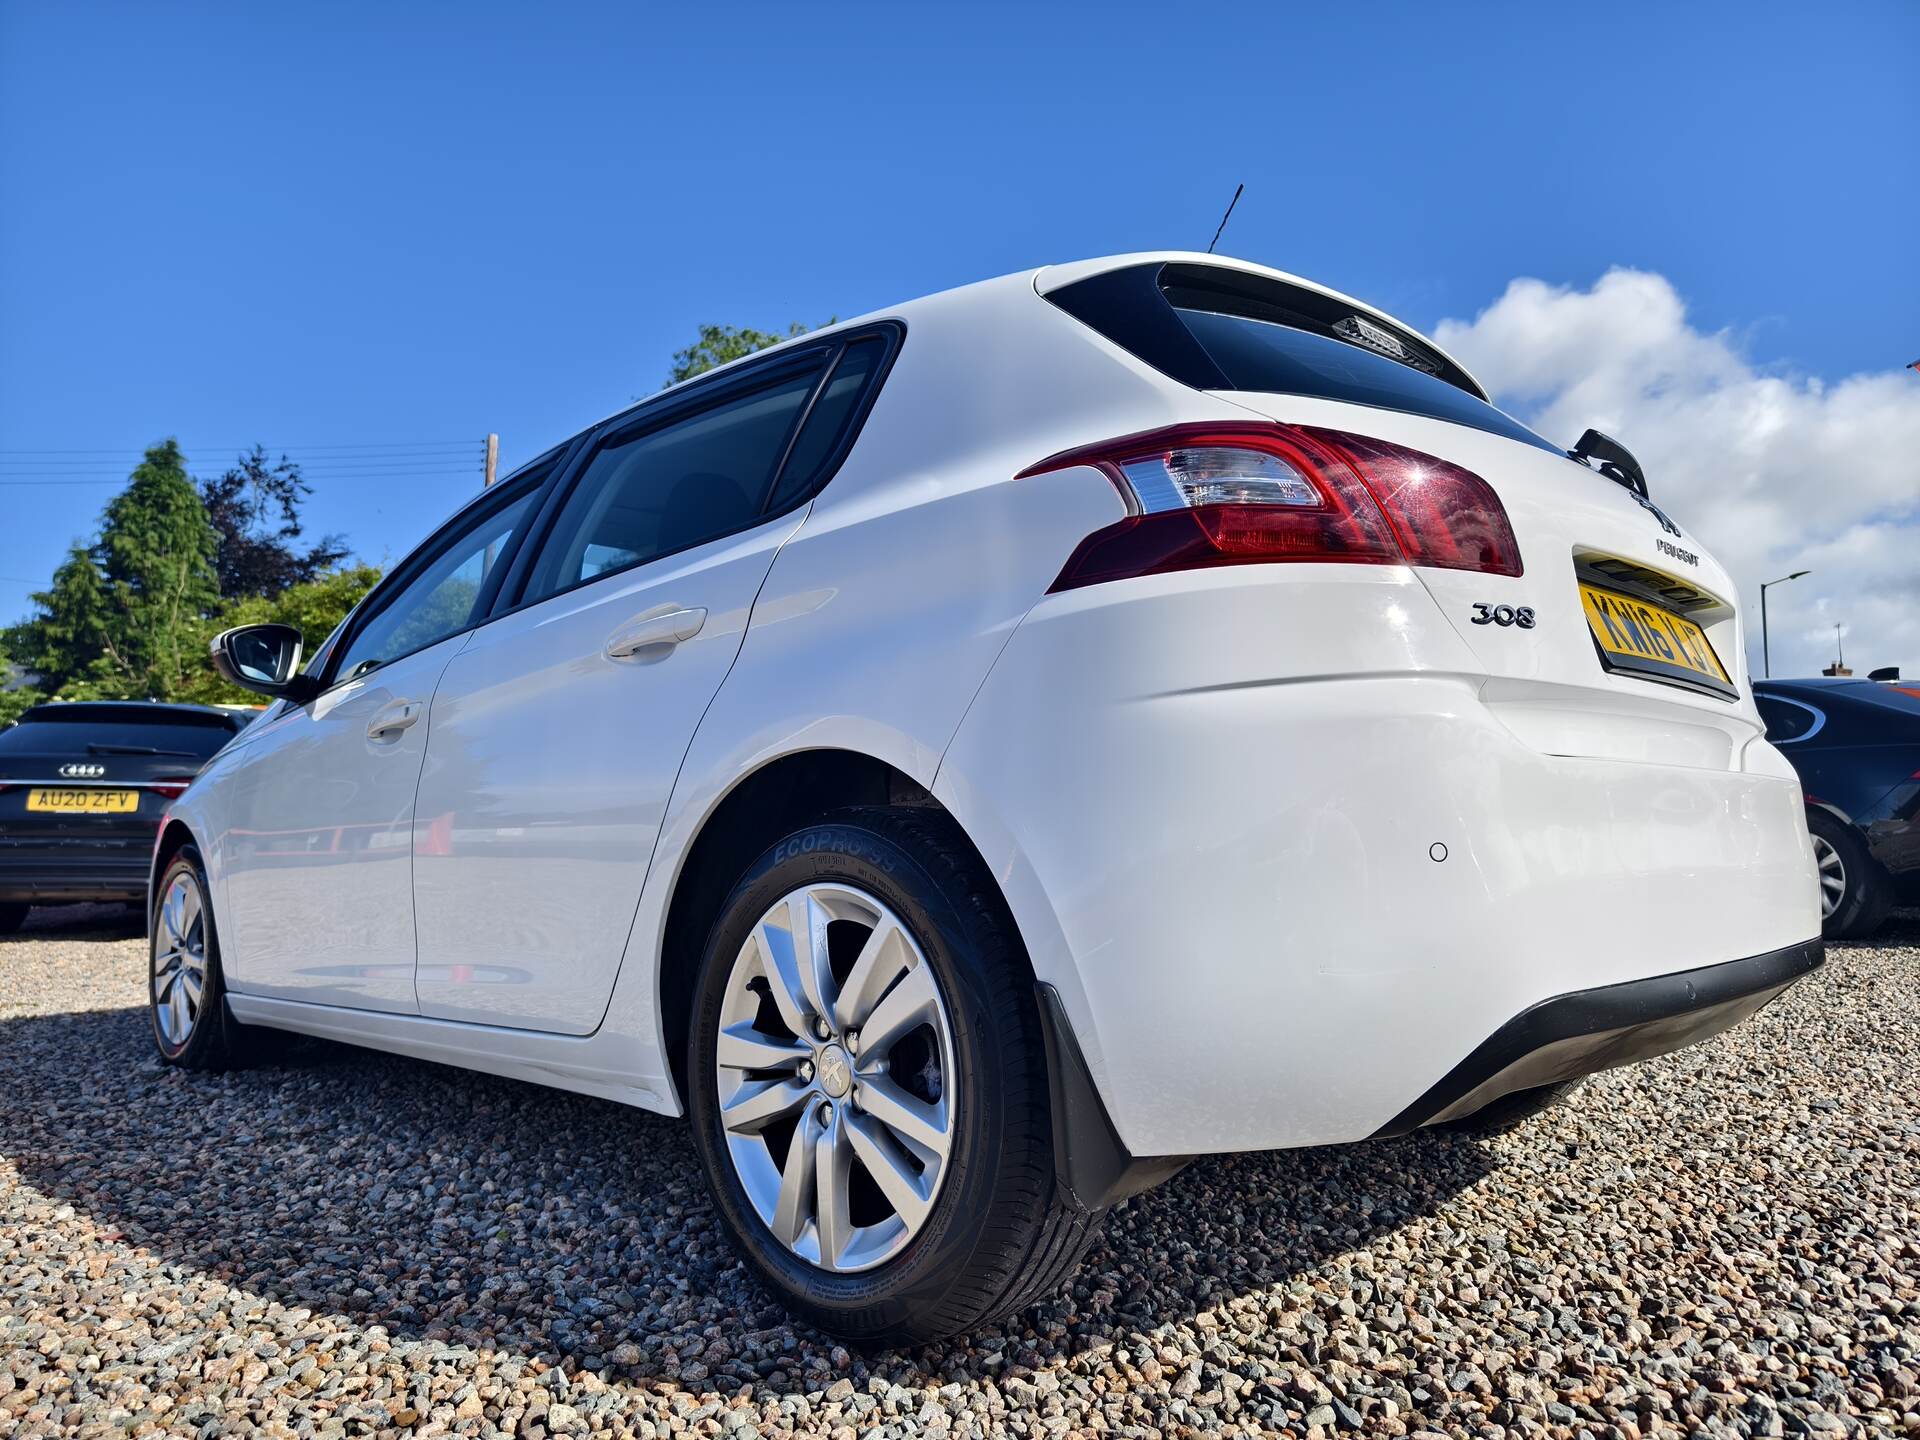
{"x": 1895, "y": 844}
{"x": 59, "y": 872}
{"x": 1588, "y": 1031}
{"x": 1283, "y": 885}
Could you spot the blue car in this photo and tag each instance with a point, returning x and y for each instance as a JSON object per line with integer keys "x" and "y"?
{"x": 1856, "y": 745}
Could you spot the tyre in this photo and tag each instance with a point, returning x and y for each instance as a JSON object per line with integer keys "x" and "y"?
{"x": 1854, "y": 891}
{"x": 871, "y": 1103}
{"x": 186, "y": 997}
{"x": 12, "y": 916}
{"x": 1502, "y": 1115}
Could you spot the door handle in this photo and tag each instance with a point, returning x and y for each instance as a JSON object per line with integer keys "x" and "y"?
{"x": 388, "y": 724}
{"x": 652, "y": 631}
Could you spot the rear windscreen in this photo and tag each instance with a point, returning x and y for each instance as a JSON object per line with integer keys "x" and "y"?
{"x": 1220, "y": 329}
{"x": 188, "y": 735}
{"x": 1277, "y": 359}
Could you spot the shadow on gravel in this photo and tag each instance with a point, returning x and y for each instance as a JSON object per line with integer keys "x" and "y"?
{"x": 1902, "y": 928}
{"x": 80, "y": 922}
{"x": 454, "y": 1206}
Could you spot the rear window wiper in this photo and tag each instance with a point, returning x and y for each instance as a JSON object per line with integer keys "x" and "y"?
{"x": 96, "y": 748}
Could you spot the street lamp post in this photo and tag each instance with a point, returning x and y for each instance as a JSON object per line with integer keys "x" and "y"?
{"x": 1766, "y": 656}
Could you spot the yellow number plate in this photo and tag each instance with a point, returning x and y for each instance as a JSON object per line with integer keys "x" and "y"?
{"x": 1636, "y": 636}
{"x": 84, "y": 802}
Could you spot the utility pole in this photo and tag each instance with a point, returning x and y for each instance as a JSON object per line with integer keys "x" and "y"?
{"x": 493, "y": 458}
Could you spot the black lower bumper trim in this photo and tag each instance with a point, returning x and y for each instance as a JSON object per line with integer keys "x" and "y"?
{"x": 54, "y": 872}
{"x": 1591, "y": 1030}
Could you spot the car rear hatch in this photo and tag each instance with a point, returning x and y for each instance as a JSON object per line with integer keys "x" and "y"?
{"x": 1618, "y": 639}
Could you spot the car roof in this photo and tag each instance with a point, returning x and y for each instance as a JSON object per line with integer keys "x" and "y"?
{"x": 1044, "y": 279}
{"x": 1815, "y": 682}
{"x": 126, "y": 710}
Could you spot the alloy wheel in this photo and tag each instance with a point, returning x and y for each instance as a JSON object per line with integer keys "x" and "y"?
{"x": 179, "y": 960}
{"x": 835, "y": 1071}
{"x": 1833, "y": 876}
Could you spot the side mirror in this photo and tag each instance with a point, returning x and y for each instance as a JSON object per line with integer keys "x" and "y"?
{"x": 266, "y": 660}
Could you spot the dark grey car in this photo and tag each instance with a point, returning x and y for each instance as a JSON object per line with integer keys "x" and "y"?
{"x": 83, "y": 785}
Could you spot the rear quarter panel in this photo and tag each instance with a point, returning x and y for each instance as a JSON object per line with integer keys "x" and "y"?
{"x": 884, "y": 613}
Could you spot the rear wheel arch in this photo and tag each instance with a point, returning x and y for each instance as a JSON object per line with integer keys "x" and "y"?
{"x": 784, "y": 795}
{"x": 1825, "y": 807}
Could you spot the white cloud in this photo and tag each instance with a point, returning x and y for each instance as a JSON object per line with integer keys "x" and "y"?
{"x": 1774, "y": 472}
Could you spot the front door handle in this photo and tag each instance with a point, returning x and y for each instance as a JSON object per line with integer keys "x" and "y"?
{"x": 652, "y": 631}
{"x": 401, "y": 715}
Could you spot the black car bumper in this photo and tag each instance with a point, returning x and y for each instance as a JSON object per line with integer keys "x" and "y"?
{"x": 1591, "y": 1030}
{"x": 1895, "y": 845}
{"x": 46, "y": 871}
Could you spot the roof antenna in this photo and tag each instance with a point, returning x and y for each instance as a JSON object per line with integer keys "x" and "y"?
{"x": 1226, "y": 217}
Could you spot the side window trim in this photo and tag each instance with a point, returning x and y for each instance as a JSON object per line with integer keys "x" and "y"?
{"x": 529, "y": 481}
{"x": 656, "y": 414}
{"x": 1819, "y": 720}
{"x": 630, "y": 427}
{"x": 552, "y": 467}
{"x": 799, "y": 425}
{"x": 891, "y": 333}
{"x": 678, "y": 404}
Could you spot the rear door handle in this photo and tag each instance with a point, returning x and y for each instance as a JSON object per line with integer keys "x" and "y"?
{"x": 401, "y": 715}
{"x": 652, "y": 631}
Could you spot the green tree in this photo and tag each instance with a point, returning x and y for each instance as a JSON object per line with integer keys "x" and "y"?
{"x": 65, "y": 642}
{"x": 314, "y": 608}
{"x": 119, "y": 619}
{"x": 719, "y": 344}
{"x": 15, "y": 695}
{"x": 255, "y": 510}
{"x": 156, "y": 554}
{"x": 15, "y": 703}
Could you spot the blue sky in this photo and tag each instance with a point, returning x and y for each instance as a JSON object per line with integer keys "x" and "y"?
{"x": 340, "y": 226}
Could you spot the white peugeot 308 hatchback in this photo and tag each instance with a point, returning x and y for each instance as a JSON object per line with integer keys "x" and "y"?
{"x": 972, "y": 759}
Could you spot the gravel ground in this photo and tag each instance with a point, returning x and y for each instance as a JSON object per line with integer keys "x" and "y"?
{"x": 1721, "y": 1243}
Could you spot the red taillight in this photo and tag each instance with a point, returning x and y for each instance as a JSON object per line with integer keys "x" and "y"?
{"x": 171, "y": 789}
{"x": 1443, "y": 515}
{"x": 1236, "y": 494}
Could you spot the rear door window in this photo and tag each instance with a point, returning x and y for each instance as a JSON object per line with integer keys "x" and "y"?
{"x": 654, "y": 490}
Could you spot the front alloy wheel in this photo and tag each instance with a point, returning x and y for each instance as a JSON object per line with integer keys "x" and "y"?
{"x": 179, "y": 959}
{"x": 186, "y": 994}
{"x": 834, "y": 1068}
